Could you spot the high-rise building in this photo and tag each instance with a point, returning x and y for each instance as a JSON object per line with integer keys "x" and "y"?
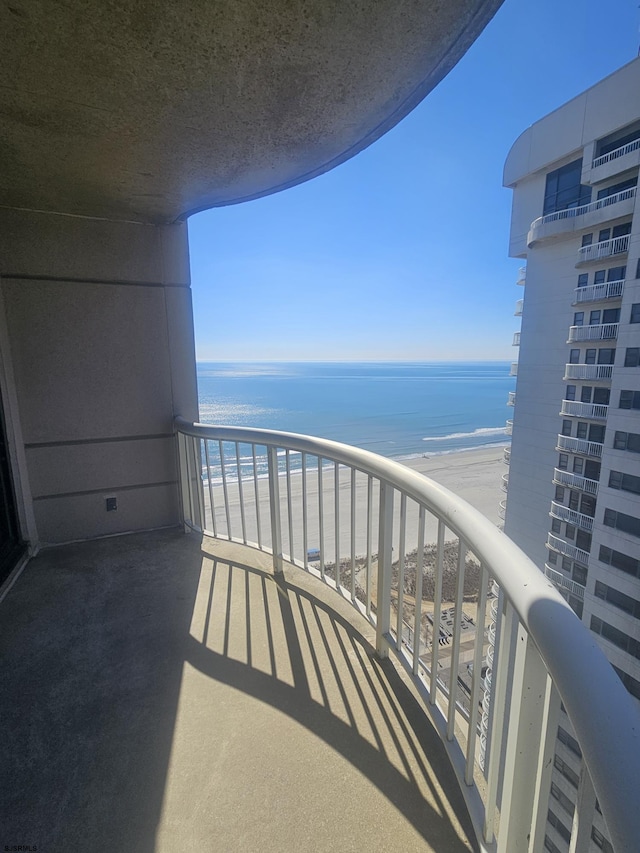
{"x": 573, "y": 498}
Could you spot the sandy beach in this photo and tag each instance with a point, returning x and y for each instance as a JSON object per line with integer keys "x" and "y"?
{"x": 474, "y": 475}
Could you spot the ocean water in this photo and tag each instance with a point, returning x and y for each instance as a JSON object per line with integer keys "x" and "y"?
{"x": 399, "y": 410}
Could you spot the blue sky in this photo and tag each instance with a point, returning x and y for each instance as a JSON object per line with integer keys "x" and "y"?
{"x": 401, "y": 253}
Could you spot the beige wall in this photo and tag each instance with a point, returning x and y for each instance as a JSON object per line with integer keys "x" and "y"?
{"x": 99, "y": 335}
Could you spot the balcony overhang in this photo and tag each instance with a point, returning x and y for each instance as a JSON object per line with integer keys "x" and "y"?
{"x": 150, "y": 113}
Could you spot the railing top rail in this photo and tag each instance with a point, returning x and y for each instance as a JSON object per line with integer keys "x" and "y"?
{"x": 617, "y": 152}
{"x": 608, "y": 724}
{"x": 572, "y": 212}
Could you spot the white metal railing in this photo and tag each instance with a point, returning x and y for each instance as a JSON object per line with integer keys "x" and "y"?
{"x": 358, "y": 514}
{"x": 519, "y": 308}
{"x": 588, "y": 371}
{"x": 597, "y": 292}
{"x": 566, "y": 548}
{"x": 511, "y": 399}
{"x": 507, "y": 454}
{"x": 617, "y": 152}
{"x": 561, "y": 580}
{"x": 579, "y": 445}
{"x": 509, "y": 427}
{"x": 575, "y": 409}
{"x": 516, "y": 339}
{"x": 579, "y": 519}
{"x": 522, "y": 276}
{"x": 575, "y": 481}
{"x": 602, "y": 332}
{"x": 603, "y": 249}
{"x": 502, "y": 510}
{"x": 514, "y": 369}
{"x": 573, "y": 212}
{"x": 505, "y": 482}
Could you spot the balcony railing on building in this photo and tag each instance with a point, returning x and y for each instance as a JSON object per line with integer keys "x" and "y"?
{"x": 574, "y": 212}
{"x": 561, "y": 546}
{"x": 502, "y": 511}
{"x": 516, "y": 339}
{"x": 507, "y": 455}
{"x": 511, "y": 399}
{"x": 603, "y": 249}
{"x": 601, "y": 332}
{"x": 616, "y": 153}
{"x": 509, "y": 427}
{"x": 522, "y": 276}
{"x": 579, "y": 519}
{"x": 598, "y": 292}
{"x": 579, "y": 445}
{"x": 593, "y": 411}
{"x": 519, "y": 308}
{"x": 575, "y": 481}
{"x": 562, "y": 581}
{"x": 505, "y": 482}
{"x": 588, "y": 371}
{"x": 514, "y": 369}
{"x": 364, "y": 525}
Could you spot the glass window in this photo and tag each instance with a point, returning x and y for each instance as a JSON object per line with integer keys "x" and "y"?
{"x": 620, "y": 440}
{"x": 563, "y": 461}
{"x": 559, "y": 495}
{"x": 588, "y": 505}
{"x": 632, "y": 357}
{"x": 621, "y": 230}
{"x": 581, "y": 429}
{"x": 601, "y": 396}
{"x": 552, "y": 558}
{"x": 566, "y": 427}
{"x": 599, "y": 276}
{"x": 574, "y": 356}
{"x": 590, "y": 356}
{"x": 585, "y": 393}
{"x": 583, "y": 279}
{"x": 616, "y": 273}
{"x": 592, "y": 469}
{"x": 566, "y": 564}
{"x": 563, "y": 189}
{"x": 635, "y": 313}
{"x": 570, "y": 392}
{"x": 630, "y": 399}
{"x": 611, "y": 315}
{"x": 579, "y": 574}
{"x": 555, "y": 526}
{"x": 578, "y": 463}
{"x": 594, "y": 318}
{"x": 604, "y": 234}
{"x": 578, "y": 318}
{"x": 606, "y": 355}
{"x": 574, "y": 498}
{"x": 587, "y": 239}
{"x": 570, "y": 532}
{"x": 596, "y": 433}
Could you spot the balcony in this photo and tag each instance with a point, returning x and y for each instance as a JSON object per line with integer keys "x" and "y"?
{"x": 505, "y": 482}
{"x": 516, "y": 339}
{"x": 509, "y": 427}
{"x": 563, "y": 582}
{"x": 519, "y": 308}
{"x": 514, "y": 369}
{"x": 604, "y": 249}
{"x": 575, "y": 481}
{"x": 593, "y": 411}
{"x": 522, "y": 276}
{"x": 507, "y": 455}
{"x": 511, "y": 399}
{"x": 566, "y": 548}
{"x": 588, "y": 371}
{"x": 579, "y": 519}
{"x": 615, "y": 162}
{"x": 602, "y": 332}
{"x": 502, "y": 511}
{"x": 599, "y": 292}
{"x": 587, "y": 215}
{"x": 579, "y": 445}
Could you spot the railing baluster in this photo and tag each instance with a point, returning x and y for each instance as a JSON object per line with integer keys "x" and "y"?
{"x": 336, "y": 520}
{"x": 585, "y": 808}
{"x": 417, "y": 616}
{"x": 197, "y": 484}
{"x": 185, "y": 485}
{"x": 241, "y": 494}
{"x": 437, "y": 613}
{"x": 225, "y": 491}
{"x": 257, "y": 495}
{"x": 353, "y": 534}
{"x": 289, "y": 510}
{"x": 455, "y": 648}
{"x": 478, "y": 658}
{"x": 305, "y": 520}
{"x": 369, "y": 527}
{"x": 321, "y": 516}
{"x": 275, "y": 510}
{"x": 545, "y": 770}
{"x": 210, "y": 482}
{"x": 401, "y": 564}
{"x": 385, "y": 558}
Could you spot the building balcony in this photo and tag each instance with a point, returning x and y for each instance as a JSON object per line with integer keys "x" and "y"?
{"x": 502, "y": 511}
{"x": 519, "y": 308}
{"x": 575, "y": 481}
{"x": 599, "y": 292}
{"x": 511, "y": 400}
{"x": 579, "y": 519}
{"x": 505, "y": 482}
{"x": 615, "y": 162}
{"x": 564, "y": 582}
{"x": 509, "y": 427}
{"x": 514, "y": 369}
{"x": 604, "y": 249}
{"x": 585, "y": 216}
{"x": 602, "y": 332}
{"x": 560, "y": 546}
{"x": 580, "y": 446}
{"x": 516, "y": 339}
{"x": 522, "y": 276}
{"x": 507, "y": 455}
{"x": 593, "y": 411}
{"x": 596, "y": 372}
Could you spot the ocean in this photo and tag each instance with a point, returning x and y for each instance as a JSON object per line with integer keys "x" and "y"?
{"x": 399, "y": 410}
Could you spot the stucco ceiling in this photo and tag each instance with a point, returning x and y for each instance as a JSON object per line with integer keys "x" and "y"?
{"x": 150, "y": 109}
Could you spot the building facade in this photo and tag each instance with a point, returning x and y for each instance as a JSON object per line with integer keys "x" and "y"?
{"x": 573, "y": 497}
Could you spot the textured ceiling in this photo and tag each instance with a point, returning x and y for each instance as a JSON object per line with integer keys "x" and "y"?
{"x": 150, "y": 110}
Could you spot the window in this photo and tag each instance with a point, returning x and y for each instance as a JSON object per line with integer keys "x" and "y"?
{"x": 611, "y": 315}
{"x": 618, "y": 599}
{"x": 562, "y": 798}
{"x": 627, "y": 441}
{"x": 601, "y": 396}
{"x": 563, "y": 189}
{"x": 623, "y": 562}
{"x": 569, "y": 741}
{"x": 583, "y": 540}
{"x": 550, "y": 846}
{"x": 588, "y": 505}
{"x": 592, "y": 470}
{"x": 604, "y": 234}
{"x": 559, "y": 495}
{"x": 606, "y": 355}
{"x": 566, "y": 427}
{"x": 587, "y": 239}
{"x": 620, "y": 521}
{"x": 616, "y": 273}
{"x": 578, "y": 464}
{"x": 579, "y": 574}
{"x": 596, "y": 433}
{"x": 625, "y": 482}
{"x": 581, "y": 429}
{"x": 566, "y": 564}
{"x": 563, "y": 461}
{"x": 630, "y": 399}
{"x": 574, "y": 356}
{"x": 600, "y": 841}
{"x": 632, "y": 685}
{"x": 635, "y": 313}
{"x": 566, "y": 770}
{"x": 570, "y": 393}
{"x": 621, "y": 230}
{"x": 585, "y": 393}
{"x": 632, "y": 357}
{"x": 552, "y": 558}
{"x": 599, "y": 277}
{"x": 570, "y": 532}
{"x": 574, "y": 498}
{"x": 578, "y": 318}
{"x": 583, "y": 279}
{"x": 616, "y": 636}
{"x": 559, "y": 827}
{"x": 590, "y": 356}
{"x": 617, "y": 188}
{"x": 594, "y": 318}
{"x": 555, "y": 525}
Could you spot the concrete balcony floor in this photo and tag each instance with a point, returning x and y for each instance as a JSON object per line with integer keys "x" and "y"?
{"x": 163, "y": 693}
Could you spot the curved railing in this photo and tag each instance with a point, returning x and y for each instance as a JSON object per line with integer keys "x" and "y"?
{"x": 424, "y": 567}
{"x": 573, "y": 212}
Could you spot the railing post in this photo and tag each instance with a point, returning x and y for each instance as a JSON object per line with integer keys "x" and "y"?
{"x": 545, "y": 767}
{"x": 584, "y": 813}
{"x": 385, "y": 559}
{"x": 183, "y": 469}
{"x": 274, "y": 509}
